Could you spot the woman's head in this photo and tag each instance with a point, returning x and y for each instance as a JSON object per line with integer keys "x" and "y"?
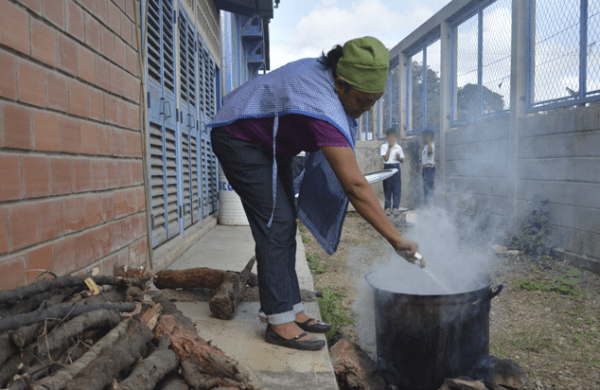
{"x": 360, "y": 71}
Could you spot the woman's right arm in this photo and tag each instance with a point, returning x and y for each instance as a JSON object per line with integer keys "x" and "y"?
{"x": 363, "y": 198}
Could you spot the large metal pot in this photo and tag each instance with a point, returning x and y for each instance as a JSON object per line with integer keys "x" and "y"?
{"x": 423, "y": 339}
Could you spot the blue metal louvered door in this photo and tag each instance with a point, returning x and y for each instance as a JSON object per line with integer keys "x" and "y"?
{"x": 162, "y": 120}
{"x": 207, "y": 91}
{"x": 188, "y": 120}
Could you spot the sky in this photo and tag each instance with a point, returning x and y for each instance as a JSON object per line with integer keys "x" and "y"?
{"x": 305, "y": 28}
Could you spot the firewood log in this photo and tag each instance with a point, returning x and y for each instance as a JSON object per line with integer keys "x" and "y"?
{"x": 174, "y": 383}
{"x": 122, "y": 354}
{"x": 149, "y": 371}
{"x": 60, "y": 312}
{"x": 19, "y": 293}
{"x": 204, "y": 365}
{"x": 59, "y": 380}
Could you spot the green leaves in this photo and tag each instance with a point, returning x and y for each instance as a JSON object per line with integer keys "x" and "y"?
{"x": 563, "y": 284}
{"x": 332, "y": 311}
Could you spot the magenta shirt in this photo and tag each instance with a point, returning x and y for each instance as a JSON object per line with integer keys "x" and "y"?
{"x": 296, "y": 133}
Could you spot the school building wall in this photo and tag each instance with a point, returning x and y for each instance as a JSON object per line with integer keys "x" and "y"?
{"x": 71, "y": 192}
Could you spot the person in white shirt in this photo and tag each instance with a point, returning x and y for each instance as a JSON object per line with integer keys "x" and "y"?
{"x": 428, "y": 161}
{"x": 392, "y": 155}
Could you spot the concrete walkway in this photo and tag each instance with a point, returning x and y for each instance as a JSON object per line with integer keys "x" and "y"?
{"x": 242, "y": 338}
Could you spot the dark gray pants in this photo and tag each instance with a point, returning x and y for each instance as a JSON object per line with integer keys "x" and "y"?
{"x": 249, "y": 170}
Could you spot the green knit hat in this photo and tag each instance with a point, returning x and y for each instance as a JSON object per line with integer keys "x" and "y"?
{"x": 365, "y": 64}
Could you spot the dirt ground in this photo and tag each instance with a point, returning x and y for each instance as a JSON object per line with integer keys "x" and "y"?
{"x": 554, "y": 337}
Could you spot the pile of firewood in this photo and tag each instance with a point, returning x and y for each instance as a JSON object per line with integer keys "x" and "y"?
{"x": 112, "y": 333}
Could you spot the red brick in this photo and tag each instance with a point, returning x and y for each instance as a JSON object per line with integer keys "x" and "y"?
{"x": 116, "y": 80}
{"x": 39, "y": 259}
{"x": 24, "y": 229}
{"x": 8, "y": 81}
{"x": 34, "y": 5}
{"x": 36, "y": 175}
{"x": 14, "y": 27}
{"x": 99, "y": 174}
{"x": 96, "y": 104}
{"x": 131, "y": 87}
{"x": 140, "y": 196}
{"x": 52, "y": 223}
{"x": 123, "y": 114}
{"x": 101, "y": 10}
{"x": 10, "y": 172}
{"x": 78, "y": 95}
{"x": 17, "y": 126}
{"x": 67, "y": 54}
{"x": 65, "y": 255}
{"x": 117, "y": 142}
{"x": 45, "y": 131}
{"x": 131, "y": 200}
{"x": 75, "y": 24}
{"x": 126, "y": 28}
{"x": 120, "y": 53}
{"x": 108, "y": 42}
{"x": 132, "y": 60}
{"x": 89, "y": 138}
{"x": 70, "y": 141}
{"x": 129, "y": 144}
{"x": 104, "y": 140}
{"x": 88, "y": 4}
{"x": 32, "y": 85}
{"x": 43, "y": 44}
{"x": 61, "y": 172}
{"x": 125, "y": 173}
{"x": 129, "y": 9}
{"x": 138, "y": 227}
{"x": 54, "y": 10}
{"x": 107, "y": 201}
{"x": 93, "y": 214}
{"x": 111, "y": 112}
{"x": 12, "y": 270}
{"x": 134, "y": 254}
{"x": 138, "y": 145}
{"x": 124, "y": 203}
{"x": 120, "y": 4}
{"x": 128, "y": 235}
{"x": 114, "y": 17}
{"x": 123, "y": 255}
{"x": 112, "y": 168}
{"x": 92, "y": 32}
{"x": 58, "y": 91}
{"x": 134, "y": 117}
{"x": 86, "y": 65}
{"x": 82, "y": 174}
{"x": 102, "y": 73}
{"x": 3, "y": 229}
{"x": 136, "y": 172}
{"x": 74, "y": 214}
{"x": 108, "y": 264}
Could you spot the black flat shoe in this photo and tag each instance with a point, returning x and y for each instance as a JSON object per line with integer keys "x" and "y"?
{"x": 319, "y": 327}
{"x": 272, "y": 337}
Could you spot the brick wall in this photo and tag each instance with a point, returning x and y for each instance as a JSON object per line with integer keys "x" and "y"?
{"x": 71, "y": 189}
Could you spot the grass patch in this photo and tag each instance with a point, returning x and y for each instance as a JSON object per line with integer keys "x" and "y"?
{"x": 332, "y": 311}
{"x": 301, "y": 227}
{"x": 315, "y": 264}
{"x": 305, "y": 239}
{"x": 565, "y": 284}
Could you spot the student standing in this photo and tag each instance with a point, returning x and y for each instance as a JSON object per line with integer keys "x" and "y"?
{"x": 428, "y": 160}
{"x": 392, "y": 157}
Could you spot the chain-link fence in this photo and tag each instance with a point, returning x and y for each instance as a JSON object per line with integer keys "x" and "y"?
{"x": 564, "y": 54}
{"x": 483, "y": 62}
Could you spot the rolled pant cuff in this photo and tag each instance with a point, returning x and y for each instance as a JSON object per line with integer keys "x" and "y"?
{"x": 281, "y": 318}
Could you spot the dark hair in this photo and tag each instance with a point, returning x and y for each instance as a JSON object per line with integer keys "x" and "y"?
{"x": 390, "y": 131}
{"x": 330, "y": 61}
{"x": 427, "y": 133}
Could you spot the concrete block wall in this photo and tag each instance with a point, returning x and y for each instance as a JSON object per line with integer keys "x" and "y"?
{"x": 559, "y": 160}
{"x": 476, "y": 171}
{"x": 71, "y": 189}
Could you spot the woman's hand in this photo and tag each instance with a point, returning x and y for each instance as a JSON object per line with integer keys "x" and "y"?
{"x": 407, "y": 249}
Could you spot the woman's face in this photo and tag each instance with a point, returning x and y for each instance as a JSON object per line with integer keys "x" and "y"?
{"x": 355, "y": 102}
